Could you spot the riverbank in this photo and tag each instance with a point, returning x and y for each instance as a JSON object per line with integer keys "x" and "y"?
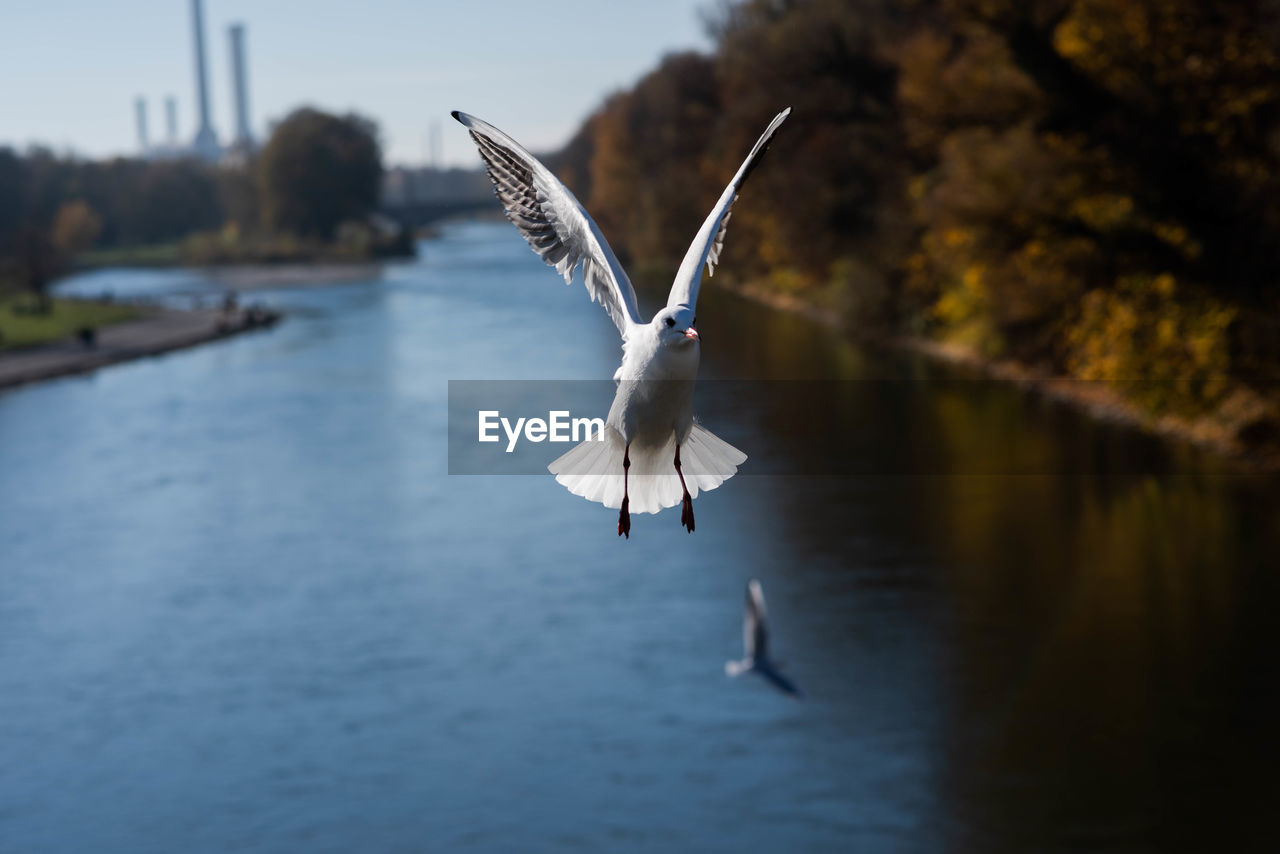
{"x": 27, "y": 321}
{"x": 356, "y": 245}
{"x": 1222, "y": 435}
{"x": 258, "y": 277}
{"x": 156, "y": 331}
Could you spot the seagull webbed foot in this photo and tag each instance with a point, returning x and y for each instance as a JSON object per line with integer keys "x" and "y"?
{"x": 624, "y": 519}
{"x": 686, "y": 512}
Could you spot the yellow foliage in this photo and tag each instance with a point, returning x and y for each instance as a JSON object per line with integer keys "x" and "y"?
{"x": 1070, "y": 41}
{"x": 772, "y": 246}
{"x": 1104, "y": 211}
{"x": 1168, "y": 353}
{"x": 787, "y": 280}
{"x": 965, "y": 313}
{"x": 76, "y": 226}
{"x": 1176, "y": 235}
{"x": 956, "y": 238}
{"x": 917, "y": 188}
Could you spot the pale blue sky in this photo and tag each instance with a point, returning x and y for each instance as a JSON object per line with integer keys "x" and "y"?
{"x": 69, "y": 71}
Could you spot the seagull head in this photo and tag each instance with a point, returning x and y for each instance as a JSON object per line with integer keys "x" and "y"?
{"x": 675, "y": 326}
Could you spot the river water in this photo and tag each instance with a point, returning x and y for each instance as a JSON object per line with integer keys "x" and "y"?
{"x": 244, "y": 606}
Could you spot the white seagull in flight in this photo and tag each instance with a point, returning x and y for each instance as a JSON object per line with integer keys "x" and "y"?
{"x": 650, "y": 424}
{"x": 755, "y": 644}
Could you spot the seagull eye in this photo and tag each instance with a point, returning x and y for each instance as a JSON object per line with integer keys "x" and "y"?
{"x": 671, "y": 321}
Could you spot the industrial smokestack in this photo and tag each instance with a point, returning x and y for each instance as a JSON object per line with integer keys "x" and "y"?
{"x": 140, "y": 111}
{"x": 239, "y": 80}
{"x": 206, "y": 142}
{"x": 171, "y": 119}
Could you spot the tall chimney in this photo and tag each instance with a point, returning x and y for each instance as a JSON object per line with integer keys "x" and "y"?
{"x": 206, "y": 141}
{"x": 140, "y": 112}
{"x": 239, "y": 79}
{"x": 171, "y": 119}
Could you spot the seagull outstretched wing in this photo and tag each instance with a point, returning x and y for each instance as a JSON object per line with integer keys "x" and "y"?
{"x": 706, "y": 246}
{"x": 554, "y": 223}
{"x": 779, "y": 681}
{"x": 755, "y": 628}
{"x": 755, "y": 641}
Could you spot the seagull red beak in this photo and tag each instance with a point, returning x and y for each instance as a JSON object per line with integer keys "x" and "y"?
{"x": 692, "y": 333}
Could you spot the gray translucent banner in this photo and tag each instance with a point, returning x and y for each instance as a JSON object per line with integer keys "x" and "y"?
{"x": 868, "y": 427}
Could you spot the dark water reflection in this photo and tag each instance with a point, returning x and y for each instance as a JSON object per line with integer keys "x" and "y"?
{"x": 242, "y": 606}
{"x": 1102, "y": 600}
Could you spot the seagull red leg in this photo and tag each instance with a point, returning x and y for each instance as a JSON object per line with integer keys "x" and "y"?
{"x": 686, "y": 501}
{"x": 624, "y": 515}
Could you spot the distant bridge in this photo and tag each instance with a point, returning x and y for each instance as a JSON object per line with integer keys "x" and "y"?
{"x": 414, "y": 214}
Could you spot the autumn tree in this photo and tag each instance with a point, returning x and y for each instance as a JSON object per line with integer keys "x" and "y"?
{"x": 1091, "y": 186}
{"x": 75, "y": 227}
{"x": 318, "y": 170}
{"x": 647, "y": 176}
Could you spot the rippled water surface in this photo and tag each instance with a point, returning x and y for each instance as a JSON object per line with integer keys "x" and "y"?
{"x": 244, "y": 607}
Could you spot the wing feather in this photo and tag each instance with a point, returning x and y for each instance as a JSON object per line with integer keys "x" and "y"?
{"x": 709, "y": 242}
{"x": 553, "y": 222}
{"x": 755, "y": 631}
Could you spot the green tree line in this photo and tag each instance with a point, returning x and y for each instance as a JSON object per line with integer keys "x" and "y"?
{"x": 1090, "y": 187}
{"x": 316, "y": 173}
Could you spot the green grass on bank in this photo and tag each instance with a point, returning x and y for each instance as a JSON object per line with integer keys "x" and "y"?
{"x": 20, "y": 326}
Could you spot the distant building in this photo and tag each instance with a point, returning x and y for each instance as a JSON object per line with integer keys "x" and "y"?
{"x": 405, "y": 186}
{"x": 416, "y": 197}
{"x": 170, "y": 148}
{"x": 171, "y": 119}
{"x": 240, "y": 87}
{"x": 205, "y": 144}
{"x": 140, "y": 113}
{"x": 206, "y": 141}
